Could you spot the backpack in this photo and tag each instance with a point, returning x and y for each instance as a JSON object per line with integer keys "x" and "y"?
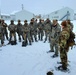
{"x": 71, "y": 40}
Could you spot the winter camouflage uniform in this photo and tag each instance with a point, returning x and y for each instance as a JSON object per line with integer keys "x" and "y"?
{"x": 5, "y": 32}
{"x": 19, "y": 30}
{"x": 40, "y": 27}
{"x": 1, "y": 33}
{"x": 36, "y": 32}
{"x": 54, "y": 37}
{"x": 33, "y": 30}
{"x": 12, "y": 28}
{"x": 64, "y": 36}
{"x": 26, "y": 32}
{"x": 47, "y": 30}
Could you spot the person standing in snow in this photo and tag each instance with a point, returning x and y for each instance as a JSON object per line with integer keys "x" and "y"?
{"x": 12, "y": 28}
{"x": 40, "y": 27}
{"x": 1, "y": 33}
{"x": 54, "y": 37}
{"x": 26, "y": 32}
{"x": 47, "y": 29}
{"x": 64, "y": 36}
{"x": 5, "y": 32}
{"x": 19, "y": 30}
{"x": 33, "y": 30}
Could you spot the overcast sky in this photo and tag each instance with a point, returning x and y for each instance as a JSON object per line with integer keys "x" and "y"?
{"x": 36, "y": 6}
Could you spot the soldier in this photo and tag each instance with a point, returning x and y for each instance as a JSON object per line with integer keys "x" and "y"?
{"x": 12, "y": 28}
{"x": 36, "y": 32}
{"x": 54, "y": 37}
{"x": 47, "y": 29}
{"x": 33, "y": 28}
{"x": 64, "y": 36}
{"x": 5, "y": 32}
{"x": 26, "y": 33}
{"x": 1, "y": 34}
{"x": 19, "y": 30}
{"x": 40, "y": 27}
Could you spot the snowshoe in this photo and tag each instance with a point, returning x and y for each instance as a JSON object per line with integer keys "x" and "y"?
{"x": 60, "y": 68}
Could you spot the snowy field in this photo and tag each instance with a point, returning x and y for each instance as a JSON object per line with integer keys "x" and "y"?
{"x": 33, "y": 60}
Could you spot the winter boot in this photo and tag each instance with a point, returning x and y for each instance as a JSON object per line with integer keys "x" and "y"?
{"x": 36, "y": 40}
{"x": 55, "y": 55}
{"x": 19, "y": 39}
{"x": 24, "y": 44}
{"x": 30, "y": 43}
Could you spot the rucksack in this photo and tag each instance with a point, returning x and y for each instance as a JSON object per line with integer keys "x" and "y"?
{"x": 71, "y": 40}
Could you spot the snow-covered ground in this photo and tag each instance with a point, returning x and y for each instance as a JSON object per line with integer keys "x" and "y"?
{"x": 33, "y": 60}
